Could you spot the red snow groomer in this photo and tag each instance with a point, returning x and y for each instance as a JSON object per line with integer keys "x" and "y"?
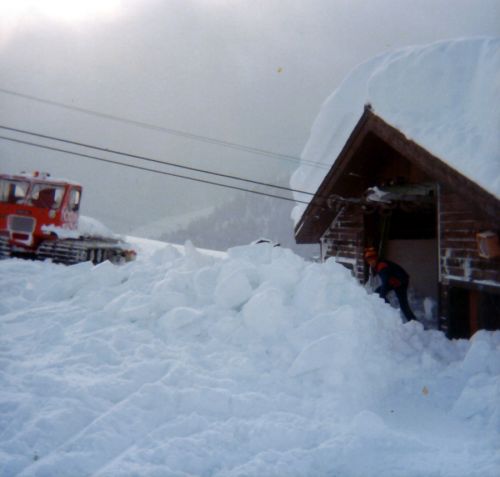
{"x": 39, "y": 219}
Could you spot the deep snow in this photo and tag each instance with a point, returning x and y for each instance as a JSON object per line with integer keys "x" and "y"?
{"x": 444, "y": 96}
{"x": 254, "y": 363}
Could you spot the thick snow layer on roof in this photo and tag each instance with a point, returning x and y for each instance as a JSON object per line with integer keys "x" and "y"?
{"x": 444, "y": 96}
{"x": 253, "y": 363}
{"x": 40, "y": 176}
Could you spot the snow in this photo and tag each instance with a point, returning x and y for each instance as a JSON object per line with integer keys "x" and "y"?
{"x": 375, "y": 194}
{"x": 250, "y": 363}
{"x": 443, "y": 96}
{"x": 87, "y": 226}
{"x": 45, "y": 176}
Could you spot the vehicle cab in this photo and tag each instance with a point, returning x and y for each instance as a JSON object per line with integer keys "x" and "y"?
{"x": 31, "y": 206}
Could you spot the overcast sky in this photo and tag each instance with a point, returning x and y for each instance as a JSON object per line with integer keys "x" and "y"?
{"x": 249, "y": 72}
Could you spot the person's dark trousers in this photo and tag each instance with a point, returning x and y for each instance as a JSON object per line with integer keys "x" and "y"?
{"x": 402, "y": 294}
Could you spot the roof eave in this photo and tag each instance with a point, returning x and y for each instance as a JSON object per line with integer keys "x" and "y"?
{"x": 317, "y": 217}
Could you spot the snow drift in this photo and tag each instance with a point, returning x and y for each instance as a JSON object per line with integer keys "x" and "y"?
{"x": 443, "y": 96}
{"x": 253, "y": 364}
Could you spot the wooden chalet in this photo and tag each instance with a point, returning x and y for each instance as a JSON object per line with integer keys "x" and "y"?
{"x": 387, "y": 191}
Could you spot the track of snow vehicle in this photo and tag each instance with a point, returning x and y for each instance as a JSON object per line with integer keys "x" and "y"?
{"x": 4, "y": 248}
{"x": 39, "y": 219}
{"x": 70, "y": 251}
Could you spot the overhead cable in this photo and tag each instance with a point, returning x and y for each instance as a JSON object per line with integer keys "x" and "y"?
{"x": 148, "y": 159}
{"x": 132, "y": 166}
{"x": 171, "y": 131}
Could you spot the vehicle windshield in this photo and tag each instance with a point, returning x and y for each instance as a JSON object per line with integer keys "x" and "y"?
{"x": 47, "y": 196}
{"x": 13, "y": 191}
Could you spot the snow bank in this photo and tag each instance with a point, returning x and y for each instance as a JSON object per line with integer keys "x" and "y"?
{"x": 444, "y": 96}
{"x": 87, "y": 226}
{"x": 253, "y": 364}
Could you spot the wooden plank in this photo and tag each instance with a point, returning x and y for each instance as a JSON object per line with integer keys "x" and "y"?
{"x": 344, "y": 239}
{"x": 491, "y": 276}
{"x": 459, "y": 216}
{"x": 455, "y": 243}
{"x": 472, "y": 274}
{"x": 454, "y": 271}
{"x": 345, "y": 254}
{"x": 460, "y": 240}
{"x": 471, "y": 285}
{"x": 348, "y": 229}
{"x": 451, "y": 225}
{"x": 458, "y": 233}
{"x": 338, "y": 240}
{"x": 471, "y": 262}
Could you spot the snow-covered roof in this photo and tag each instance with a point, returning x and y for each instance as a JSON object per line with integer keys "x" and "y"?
{"x": 444, "y": 96}
{"x": 39, "y": 176}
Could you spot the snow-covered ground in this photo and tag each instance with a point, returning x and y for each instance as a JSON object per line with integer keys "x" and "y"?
{"x": 250, "y": 363}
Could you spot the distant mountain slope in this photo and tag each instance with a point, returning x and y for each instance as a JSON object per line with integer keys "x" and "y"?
{"x": 171, "y": 224}
{"x": 241, "y": 221}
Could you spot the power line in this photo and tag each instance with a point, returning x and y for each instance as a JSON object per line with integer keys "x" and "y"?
{"x": 148, "y": 159}
{"x": 171, "y": 131}
{"x": 122, "y": 164}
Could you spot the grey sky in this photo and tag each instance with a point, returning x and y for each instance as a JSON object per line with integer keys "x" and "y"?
{"x": 247, "y": 72}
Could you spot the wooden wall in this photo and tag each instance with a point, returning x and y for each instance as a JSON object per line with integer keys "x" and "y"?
{"x": 344, "y": 241}
{"x": 469, "y": 284}
{"x": 459, "y": 223}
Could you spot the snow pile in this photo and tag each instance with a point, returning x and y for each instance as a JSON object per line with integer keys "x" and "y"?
{"x": 87, "y": 227}
{"x": 256, "y": 364}
{"x": 444, "y": 96}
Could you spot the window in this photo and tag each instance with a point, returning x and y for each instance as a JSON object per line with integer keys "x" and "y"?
{"x": 13, "y": 191}
{"x": 74, "y": 200}
{"x": 47, "y": 196}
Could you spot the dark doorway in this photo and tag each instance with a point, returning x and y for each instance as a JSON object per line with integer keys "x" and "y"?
{"x": 409, "y": 238}
{"x": 472, "y": 310}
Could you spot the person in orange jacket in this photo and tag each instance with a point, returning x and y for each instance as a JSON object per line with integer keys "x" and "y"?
{"x": 392, "y": 277}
